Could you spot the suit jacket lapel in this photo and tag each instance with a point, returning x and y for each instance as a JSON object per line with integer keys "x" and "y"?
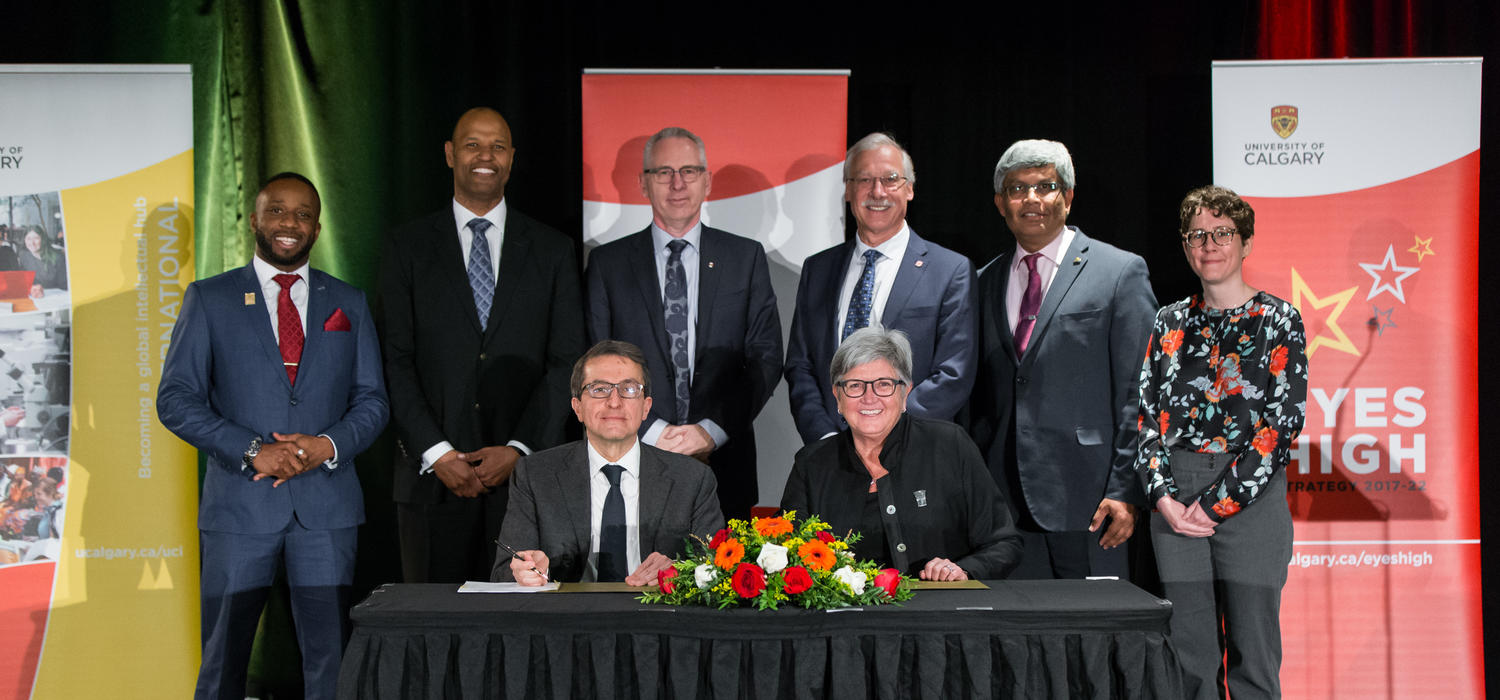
{"x": 1005, "y": 337}
{"x": 653, "y": 491}
{"x": 912, "y": 268}
{"x": 1070, "y": 264}
{"x": 835, "y": 289}
{"x": 573, "y": 482}
{"x": 708, "y": 286}
{"x": 451, "y": 269}
{"x": 258, "y": 317}
{"x": 318, "y": 310}
{"x": 643, "y": 257}
{"x": 515, "y": 249}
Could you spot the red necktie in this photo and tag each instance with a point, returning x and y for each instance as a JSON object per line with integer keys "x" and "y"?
{"x": 289, "y": 327}
{"x": 1031, "y": 303}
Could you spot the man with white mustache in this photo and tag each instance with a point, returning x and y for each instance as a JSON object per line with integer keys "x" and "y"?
{"x": 483, "y": 318}
{"x": 887, "y": 275}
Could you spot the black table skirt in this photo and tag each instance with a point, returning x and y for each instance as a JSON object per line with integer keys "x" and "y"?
{"x": 1021, "y": 639}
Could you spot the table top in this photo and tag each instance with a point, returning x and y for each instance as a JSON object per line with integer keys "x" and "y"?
{"x": 1021, "y": 607}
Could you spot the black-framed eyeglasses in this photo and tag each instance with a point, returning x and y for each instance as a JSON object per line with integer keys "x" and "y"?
{"x": 664, "y": 174}
{"x": 890, "y": 182}
{"x": 1043, "y": 190}
{"x": 629, "y": 389}
{"x": 1221, "y": 235}
{"x": 855, "y": 388}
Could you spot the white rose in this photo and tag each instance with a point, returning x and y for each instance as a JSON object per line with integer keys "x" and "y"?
{"x": 704, "y": 575}
{"x": 855, "y": 580}
{"x": 772, "y": 557}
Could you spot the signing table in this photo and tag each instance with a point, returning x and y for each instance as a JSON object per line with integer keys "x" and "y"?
{"x": 1021, "y": 639}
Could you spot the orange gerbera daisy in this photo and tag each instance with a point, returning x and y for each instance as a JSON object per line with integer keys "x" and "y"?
{"x": 730, "y": 552}
{"x": 771, "y": 527}
{"x": 816, "y": 555}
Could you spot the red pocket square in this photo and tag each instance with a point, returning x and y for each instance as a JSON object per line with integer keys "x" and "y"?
{"x": 337, "y": 322}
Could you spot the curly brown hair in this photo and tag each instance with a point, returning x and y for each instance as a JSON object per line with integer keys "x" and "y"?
{"x": 1220, "y": 201}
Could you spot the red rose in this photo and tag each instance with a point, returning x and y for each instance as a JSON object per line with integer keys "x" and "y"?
{"x": 749, "y": 580}
{"x": 666, "y": 580}
{"x": 795, "y": 579}
{"x": 887, "y": 579}
{"x": 824, "y": 537}
{"x": 718, "y": 539}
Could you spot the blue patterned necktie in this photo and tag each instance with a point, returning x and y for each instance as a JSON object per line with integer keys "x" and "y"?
{"x": 481, "y": 277}
{"x": 677, "y": 325}
{"x": 863, "y": 298}
{"x": 612, "y": 562}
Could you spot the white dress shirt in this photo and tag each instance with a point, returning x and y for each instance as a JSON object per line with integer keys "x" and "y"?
{"x": 1046, "y": 269}
{"x": 892, "y": 251}
{"x": 270, "y": 291}
{"x": 659, "y": 241}
{"x": 630, "y": 489}
{"x": 496, "y": 233}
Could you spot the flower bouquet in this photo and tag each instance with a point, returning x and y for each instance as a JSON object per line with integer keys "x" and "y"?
{"x": 769, "y": 561}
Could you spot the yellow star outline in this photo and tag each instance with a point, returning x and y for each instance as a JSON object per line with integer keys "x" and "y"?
{"x": 1423, "y": 248}
{"x": 1338, "y": 300}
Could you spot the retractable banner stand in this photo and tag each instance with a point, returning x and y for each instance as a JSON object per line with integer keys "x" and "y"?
{"x": 1364, "y": 176}
{"x": 775, "y": 143}
{"x": 98, "y": 549}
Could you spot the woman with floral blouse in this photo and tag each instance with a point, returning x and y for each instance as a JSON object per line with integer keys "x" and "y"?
{"x": 1223, "y": 393}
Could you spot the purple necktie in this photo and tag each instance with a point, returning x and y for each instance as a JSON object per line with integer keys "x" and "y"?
{"x": 1031, "y": 303}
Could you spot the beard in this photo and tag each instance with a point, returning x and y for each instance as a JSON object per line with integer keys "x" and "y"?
{"x": 265, "y": 245}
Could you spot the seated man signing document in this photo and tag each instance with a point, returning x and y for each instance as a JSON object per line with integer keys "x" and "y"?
{"x": 605, "y": 508}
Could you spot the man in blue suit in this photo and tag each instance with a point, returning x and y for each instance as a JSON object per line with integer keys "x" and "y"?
{"x": 274, "y": 374}
{"x": 887, "y": 275}
{"x": 699, "y": 302}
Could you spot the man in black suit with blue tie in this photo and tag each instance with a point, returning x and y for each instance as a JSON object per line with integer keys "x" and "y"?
{"x": 483, "y": 318}
{"x": 274, "y": 374}
{"x": 698, "y": 301}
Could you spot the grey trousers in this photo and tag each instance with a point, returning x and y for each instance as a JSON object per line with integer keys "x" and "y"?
{"x": 1226, "y": 588}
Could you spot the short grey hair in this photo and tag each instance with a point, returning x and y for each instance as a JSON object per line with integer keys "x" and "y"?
{"x": 871, "y": 343}
{"x": 874, "y": 141}
{"x": 674, "y": 132}
{"x": 1035, "y": 153}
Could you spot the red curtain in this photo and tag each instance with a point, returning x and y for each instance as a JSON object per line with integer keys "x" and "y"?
{"x": 1294, "y": 29}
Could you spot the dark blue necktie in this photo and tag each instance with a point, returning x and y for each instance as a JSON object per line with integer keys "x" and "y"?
{"x": 863, "y": 297}
{"x": 677, "y": 326}
{"x": 481, "y": 277}
{"x": 612, "y": 561}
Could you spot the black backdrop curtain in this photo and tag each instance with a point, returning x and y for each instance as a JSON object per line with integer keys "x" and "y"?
{"x": 361, "y": 95}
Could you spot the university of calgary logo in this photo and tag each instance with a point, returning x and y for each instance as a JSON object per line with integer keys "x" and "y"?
{"x": 1284, "y": 120}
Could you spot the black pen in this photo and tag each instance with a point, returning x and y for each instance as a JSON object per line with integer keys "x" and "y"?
{"x": 517, "y": 556}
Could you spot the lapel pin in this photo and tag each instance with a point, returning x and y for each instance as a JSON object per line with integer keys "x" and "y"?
{"x": 918, "y": 263}
{"x": 710, "y": 264}
{"x": 921, "y": 498}
{"x": 249, "y": 298}
{"x": 1077, "y": 260}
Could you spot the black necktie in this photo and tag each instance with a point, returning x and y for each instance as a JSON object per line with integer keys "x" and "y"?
{"x": 612, "y": 529}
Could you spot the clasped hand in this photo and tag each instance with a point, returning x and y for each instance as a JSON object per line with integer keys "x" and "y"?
{"x": 290, "y": 455}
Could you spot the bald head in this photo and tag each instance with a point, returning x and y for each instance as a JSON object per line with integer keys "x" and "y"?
{"x": 480, "y": 154}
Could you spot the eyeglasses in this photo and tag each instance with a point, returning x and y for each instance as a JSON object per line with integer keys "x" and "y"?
{"x": 663, "y": 175}
{"x": 629, "y": 389}
{"x": 1020, "y": 190}
{"x": 855, "y": 388}
{"x": 889, "y": 182}
{"x": 1222, "y": 236}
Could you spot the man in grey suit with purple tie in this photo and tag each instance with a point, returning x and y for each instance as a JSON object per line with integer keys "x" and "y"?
{"x": 274, "y": 374}
{"x": 1064, "y": 324}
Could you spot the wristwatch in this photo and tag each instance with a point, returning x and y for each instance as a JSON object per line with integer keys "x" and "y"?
{"x": 251, "y": 452}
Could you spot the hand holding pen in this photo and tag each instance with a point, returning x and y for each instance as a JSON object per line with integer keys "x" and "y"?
{"x": 528, "y": 567}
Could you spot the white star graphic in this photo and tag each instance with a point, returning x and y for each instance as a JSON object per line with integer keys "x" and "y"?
{"x": 1388, "y": 265}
